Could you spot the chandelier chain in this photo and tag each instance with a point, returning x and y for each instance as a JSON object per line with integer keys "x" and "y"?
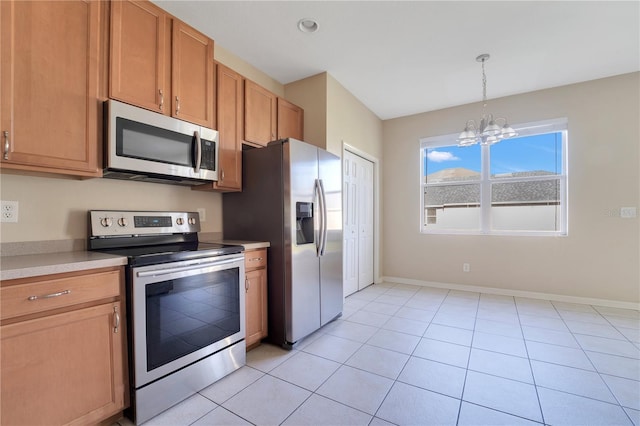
{"x": 484, "y": 86}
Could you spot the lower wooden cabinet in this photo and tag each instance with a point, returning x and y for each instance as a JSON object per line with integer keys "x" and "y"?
{"x": 66, "y": 366}
{"x": 256, "y": 296}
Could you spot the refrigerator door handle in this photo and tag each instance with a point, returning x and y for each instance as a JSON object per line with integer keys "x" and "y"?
{"x": 317, "y": 197}
{"x": 323, "y": 221}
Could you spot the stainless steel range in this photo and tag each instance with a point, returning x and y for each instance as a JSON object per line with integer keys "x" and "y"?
{"x": 185, "y": 305}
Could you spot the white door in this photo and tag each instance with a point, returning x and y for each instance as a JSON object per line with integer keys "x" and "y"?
{"x": 365, "y": 223}
{"x": 350, "y": 229}
{"x": 358, "y": 222}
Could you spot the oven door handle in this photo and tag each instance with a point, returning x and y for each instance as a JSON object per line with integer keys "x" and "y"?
{"x": 193, "y": 266}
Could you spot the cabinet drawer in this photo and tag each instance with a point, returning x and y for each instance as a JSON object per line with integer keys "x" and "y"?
{"x": 255, "y": 259}
{"x": 46, "y": 294}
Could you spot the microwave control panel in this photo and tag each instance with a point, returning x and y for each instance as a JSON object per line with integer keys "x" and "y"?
{"x": 208, "y": 155}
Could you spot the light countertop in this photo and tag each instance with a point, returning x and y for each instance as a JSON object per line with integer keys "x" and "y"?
{"x": 32, "y": 265}
{"x": 248, "y": 245}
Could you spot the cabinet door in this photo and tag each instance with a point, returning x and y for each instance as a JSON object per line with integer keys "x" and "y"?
{"x": 230, "y": 111}
{"x": 63, "y": 368}
{"x": 49, "y": 71}
{"x": 140, "y": 55}
{"x": 259, "y": 114}
{"x": 192, "y": 76}
{"x": 256, "y": 306}
{"x": 290, "y": 120}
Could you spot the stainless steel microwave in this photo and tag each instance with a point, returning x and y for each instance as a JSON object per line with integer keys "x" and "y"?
{"x": 142, "y": 145}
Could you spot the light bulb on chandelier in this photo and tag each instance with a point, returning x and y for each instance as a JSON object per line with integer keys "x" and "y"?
{"x": 488, "y": 131}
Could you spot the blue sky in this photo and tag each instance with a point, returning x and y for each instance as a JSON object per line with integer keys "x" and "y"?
{"x": 528, "y": 153}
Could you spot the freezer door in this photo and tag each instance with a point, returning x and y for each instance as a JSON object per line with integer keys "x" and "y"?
{"x": 302, "y": 285}
{"x": 331, "y": 296}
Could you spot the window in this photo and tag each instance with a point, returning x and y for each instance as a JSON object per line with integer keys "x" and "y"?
{"x": 517, "y": 186}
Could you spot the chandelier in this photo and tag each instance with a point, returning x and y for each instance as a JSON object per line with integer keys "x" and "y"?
{"x": 488, "y": 131}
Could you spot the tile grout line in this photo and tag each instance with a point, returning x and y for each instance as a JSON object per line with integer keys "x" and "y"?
{"x": 533, "y": 377}
{"x": 466, "y": 370}
{"x": 596, "y": 369}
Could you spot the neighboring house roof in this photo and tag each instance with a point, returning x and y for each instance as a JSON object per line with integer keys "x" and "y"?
{"x": 455, "y": 173}
{"x": 543, "y": 191}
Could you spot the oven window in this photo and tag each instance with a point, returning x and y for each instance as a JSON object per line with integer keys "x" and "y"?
{"x": 187, "y": 314}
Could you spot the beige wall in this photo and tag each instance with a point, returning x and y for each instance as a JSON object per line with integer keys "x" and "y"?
{"x": 349, "y": 121}
{"x": 56, "y": 208}
{"x": 311, "y": 95}
{"x": 247, "y": 70}
{"x": 599, "y": 258}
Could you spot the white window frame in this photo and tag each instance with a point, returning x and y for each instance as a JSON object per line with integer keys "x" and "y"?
{"x": 559, "y": 125}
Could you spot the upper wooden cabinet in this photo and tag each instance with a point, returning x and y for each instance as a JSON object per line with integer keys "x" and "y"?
{"x": 290, "y": 120}
{"x": 192, "y": 75}
{"x": 260, "y": 114}
{"x": 160, "y": 63}
{"x": 50, "y": 111}
{"x": 140, "y": 55}
{"x": 230, "y": 119}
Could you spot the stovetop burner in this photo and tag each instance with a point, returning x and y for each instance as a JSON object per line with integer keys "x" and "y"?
{"x": 148, "y": 238}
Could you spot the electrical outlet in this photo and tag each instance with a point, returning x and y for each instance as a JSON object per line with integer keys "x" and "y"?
{"x": 627, "y": 212}
{"x": 466, "y": 267}
{"x": 203, "y": 214}
{"x": 9, "y": 211}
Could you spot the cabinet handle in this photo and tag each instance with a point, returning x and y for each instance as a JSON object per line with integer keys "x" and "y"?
{"x": 246, "y": 284}
{"x": 6, "y": 145}
{"x": 49, "y": 296}
{"x": 177, "y": 105}
{"x": 161, "y": 105}
{"x": 116, "y": 319}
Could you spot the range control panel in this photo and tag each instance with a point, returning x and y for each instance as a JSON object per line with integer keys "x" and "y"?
{"x": 105, "y": 223}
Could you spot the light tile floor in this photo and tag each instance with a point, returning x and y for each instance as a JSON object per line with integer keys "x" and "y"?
{"x": 403, "y": 354}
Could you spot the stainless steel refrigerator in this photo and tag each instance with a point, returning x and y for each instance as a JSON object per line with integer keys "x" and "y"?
{"x": 292, "y": 197}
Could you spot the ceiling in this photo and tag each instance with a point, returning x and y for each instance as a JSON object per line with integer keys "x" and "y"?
{"x": 405, "y": 57}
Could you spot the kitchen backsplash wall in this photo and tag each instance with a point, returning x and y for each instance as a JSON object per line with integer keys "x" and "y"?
{"x": 56, "y": 208}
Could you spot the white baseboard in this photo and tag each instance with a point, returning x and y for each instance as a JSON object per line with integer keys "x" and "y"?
{"x": 517, "y": 293}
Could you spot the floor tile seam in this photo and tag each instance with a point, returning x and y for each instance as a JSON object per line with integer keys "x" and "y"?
{"x": 297, "y": 408}
{"x": 342, "y": 403}
{"x": 609, "y": 353}
{"x": 533, "y": 377}
{"x": 466, "y": 370}
{"x": 616, "y": 328}
{"x": 503, "y": 412}
{"x": 389, "y": 349}
{"x": 444, "y": 341}
{"x": 205, "y": 414}
{"x": 615, "y": 404}
{"x": 565, "y": 365}
{"x": 427, "y": 389}
{"x": 502, "y": 377}
{"x": 226, "y": 409}
{"x": 493, "y": 333}
{"x": 350, "y": 339}
{"x": 624, "y": 339}
{"x": 374, "y": 373}
{"x": 329, "y": 359}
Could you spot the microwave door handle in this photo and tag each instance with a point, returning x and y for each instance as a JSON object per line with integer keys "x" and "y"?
{"x": 198, "y": 151}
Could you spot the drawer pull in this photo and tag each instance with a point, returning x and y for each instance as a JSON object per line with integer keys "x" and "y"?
{"x": 255, "y": 259}
{"x": 49, "y": 296}
{"x": 116, "y": 319}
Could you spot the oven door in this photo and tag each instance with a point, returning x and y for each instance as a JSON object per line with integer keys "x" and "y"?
{"x": 183, "y": 312}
